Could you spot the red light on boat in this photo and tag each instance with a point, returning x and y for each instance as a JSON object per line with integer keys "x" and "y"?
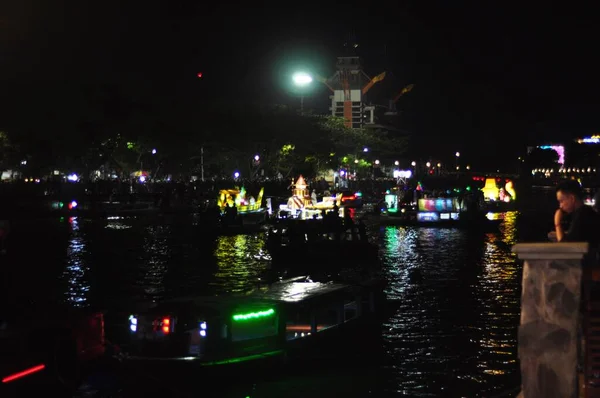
{"x": 199, "y": 74}
{"x": 23, "y": 373}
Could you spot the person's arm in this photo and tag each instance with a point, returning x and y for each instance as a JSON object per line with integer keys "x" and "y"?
{"x": 577, "y": 230}
{"x": 558, "y": 225}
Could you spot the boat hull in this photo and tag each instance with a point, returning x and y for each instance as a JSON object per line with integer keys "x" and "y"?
{"x": 479, "y": 223}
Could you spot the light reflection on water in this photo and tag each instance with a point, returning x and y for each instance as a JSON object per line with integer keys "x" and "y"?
{"x": 156, "y": 256}
{"x": 454, "y": 333}
{"x": 240, "y": 262}
{"x": 76, "y": 267}
{"x": 459, "y": 310}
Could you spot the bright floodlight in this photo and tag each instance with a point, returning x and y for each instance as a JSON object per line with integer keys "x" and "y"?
{"x": 302, "y": 79}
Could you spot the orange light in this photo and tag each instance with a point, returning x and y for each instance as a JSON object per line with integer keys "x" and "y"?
{"x": 302, "y": 328}
{"x": 23, "y": 373}
{"x": 166, "y": 323}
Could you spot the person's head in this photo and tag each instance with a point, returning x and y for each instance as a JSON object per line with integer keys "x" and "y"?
{"x": 569, "y": 196}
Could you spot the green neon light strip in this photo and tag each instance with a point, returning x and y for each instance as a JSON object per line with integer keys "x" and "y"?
{"x": 254, "y": 315}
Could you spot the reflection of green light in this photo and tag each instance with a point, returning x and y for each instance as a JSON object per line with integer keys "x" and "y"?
{"x": 243, "y": 359}
{"x": 253, "y": 315}
{"x": 60, "y": 205}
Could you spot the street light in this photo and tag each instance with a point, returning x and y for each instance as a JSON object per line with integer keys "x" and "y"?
{"x": 302, "y": 79}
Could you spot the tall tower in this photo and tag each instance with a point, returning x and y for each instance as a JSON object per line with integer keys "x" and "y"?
{"x": 349, "y": 85}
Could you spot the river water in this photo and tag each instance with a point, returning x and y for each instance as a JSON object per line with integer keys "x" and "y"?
{"x": 453, "y": 335}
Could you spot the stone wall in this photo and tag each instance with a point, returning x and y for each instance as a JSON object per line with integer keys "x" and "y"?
{"x": 549, "y": 318}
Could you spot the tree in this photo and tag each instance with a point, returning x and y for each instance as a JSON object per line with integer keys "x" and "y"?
{"x": 543, "y": 158}
{"x": 8, "y": 153}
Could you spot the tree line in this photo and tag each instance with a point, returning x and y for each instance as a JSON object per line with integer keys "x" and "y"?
{"x": 254, "y": 140}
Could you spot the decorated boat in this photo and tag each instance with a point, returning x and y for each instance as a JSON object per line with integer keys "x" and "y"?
{"x": 449, "y": 208}
{"x": 240, "y": 208}
{"x": 304, "y": 205}
{"x": 499, "y": 193}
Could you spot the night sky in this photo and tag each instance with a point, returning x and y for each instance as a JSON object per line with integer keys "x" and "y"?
{"x": 483, "y": 75}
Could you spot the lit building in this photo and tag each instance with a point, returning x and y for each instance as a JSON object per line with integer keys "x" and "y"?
{"x": 349, "y": 85}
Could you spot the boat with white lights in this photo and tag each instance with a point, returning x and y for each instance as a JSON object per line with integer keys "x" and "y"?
{"x": 276, "y": 322}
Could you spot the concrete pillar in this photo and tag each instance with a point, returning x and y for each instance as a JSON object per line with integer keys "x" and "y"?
{"x": 549, "y": 318}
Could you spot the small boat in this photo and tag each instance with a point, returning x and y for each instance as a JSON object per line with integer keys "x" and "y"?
{"x": 283, "y": 321}
{"x": 329, "y": 243}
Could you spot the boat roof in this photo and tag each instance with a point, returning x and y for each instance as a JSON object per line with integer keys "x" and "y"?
{"x": 300, "y": 290}
{"x": 286, "y": 291}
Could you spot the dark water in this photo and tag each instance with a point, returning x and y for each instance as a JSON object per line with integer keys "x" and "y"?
{"x": 453, "y": 335}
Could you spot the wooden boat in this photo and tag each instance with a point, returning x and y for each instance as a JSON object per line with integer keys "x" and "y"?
{"x": 283, "y": 321}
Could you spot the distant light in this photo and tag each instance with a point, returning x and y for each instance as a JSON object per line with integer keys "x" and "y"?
{"x": 457, "y": 154}
{"x": 154, "y": 151}
{"x": 142, "y": 179}
{"x": 72, "y": 205}
{"x": 365, "y": 149}
{"x": 402, "y": 173}
{"x": 257, "y": 158}
{"x": 72, "y": 177}
{"x": 199, "y": 74}
{"x": 302, "y": 79}
{"x": 236, "y": 174}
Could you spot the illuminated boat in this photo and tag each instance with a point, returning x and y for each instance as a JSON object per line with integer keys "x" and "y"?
{"x": 467, "y": 210}
{"x": 499, "y": 193}
{"x": 249, "y": 209}
{"x": 272, "y": 324}
{"x": 303, "y": 206}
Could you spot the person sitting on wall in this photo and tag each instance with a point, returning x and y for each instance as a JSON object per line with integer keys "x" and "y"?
{"x": 583, "y": 224}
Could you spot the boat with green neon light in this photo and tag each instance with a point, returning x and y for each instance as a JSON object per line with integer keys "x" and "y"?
{"x": 282, "y": 321}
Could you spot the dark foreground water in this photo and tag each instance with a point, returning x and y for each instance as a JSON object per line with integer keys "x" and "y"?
{"x": 454, "y": 334}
